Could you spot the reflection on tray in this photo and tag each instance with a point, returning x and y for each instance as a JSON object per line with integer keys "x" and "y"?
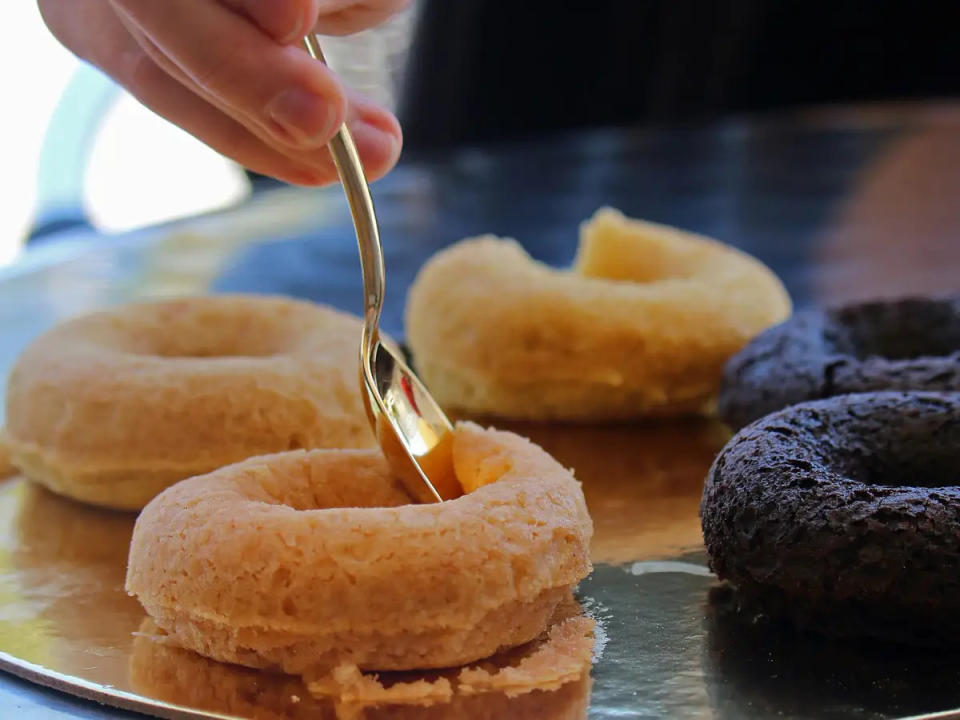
{"x": 63, "y": 568}
{"x": 750, "y": 661}
{"x": 533, "y": 682}
{"x": 642, "y": 481}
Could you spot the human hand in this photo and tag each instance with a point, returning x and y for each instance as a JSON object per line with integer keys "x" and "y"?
{"x": 233, "y": 74}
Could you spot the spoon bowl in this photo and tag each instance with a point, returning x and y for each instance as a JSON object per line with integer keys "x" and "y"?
{"x": 413, "y": 432}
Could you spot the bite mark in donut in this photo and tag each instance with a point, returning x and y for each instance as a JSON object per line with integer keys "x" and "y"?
{"x": 642, "y": 325}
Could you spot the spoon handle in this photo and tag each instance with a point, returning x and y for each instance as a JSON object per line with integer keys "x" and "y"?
{"x": 417, "y": 446}
{"x": 350, "y": 169}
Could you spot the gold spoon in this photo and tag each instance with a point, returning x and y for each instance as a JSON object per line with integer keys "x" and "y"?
{"x": 412, "y": 430}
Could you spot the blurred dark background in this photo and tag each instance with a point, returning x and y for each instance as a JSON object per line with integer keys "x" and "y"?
{"x": 482, "y": 70}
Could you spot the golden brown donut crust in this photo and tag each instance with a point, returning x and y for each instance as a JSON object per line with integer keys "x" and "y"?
{"x": 641, "y": 326}
{"x": 303, "y": 561}
{"x": 112, "y": 407}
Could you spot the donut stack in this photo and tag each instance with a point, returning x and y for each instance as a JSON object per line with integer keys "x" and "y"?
{"x": 272, "y": 532}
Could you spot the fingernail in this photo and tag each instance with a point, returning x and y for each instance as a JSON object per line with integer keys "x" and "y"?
{"x": 305, "y": 117}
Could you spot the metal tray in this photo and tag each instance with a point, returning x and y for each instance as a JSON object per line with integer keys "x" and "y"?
{"x": 664, "y": 648}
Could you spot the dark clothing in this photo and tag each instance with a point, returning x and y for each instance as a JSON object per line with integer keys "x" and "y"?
{"x": 490, "y": 69}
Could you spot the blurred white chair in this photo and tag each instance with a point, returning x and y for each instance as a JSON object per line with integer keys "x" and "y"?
{"x": 109, "y": 163}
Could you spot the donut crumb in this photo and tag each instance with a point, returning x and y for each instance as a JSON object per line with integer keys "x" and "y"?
{"x": 562, "y": 655}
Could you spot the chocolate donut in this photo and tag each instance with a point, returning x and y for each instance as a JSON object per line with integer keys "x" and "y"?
{"x": 842, "y": 515}
{"x": 907, "y": 344}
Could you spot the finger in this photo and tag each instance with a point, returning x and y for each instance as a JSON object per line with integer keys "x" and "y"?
{"x": 281, "y": 90}
{"x": 168, "y": 66}
{"x": 286, "y": 21}
{"x": 376, "y": 132}
{"x": 344, "y": 17}
{"x": 118, "y": 54}
{"x": 377, "y": 135}
{"x": 157, "y": 90}
{"x": 76, "y": 25}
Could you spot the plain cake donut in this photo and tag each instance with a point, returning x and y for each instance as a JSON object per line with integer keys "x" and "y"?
{"x": 304, "y": 561}
{"x": 843, "y": 514}
{"x": 641, "y": 326}
{"x": 906, "y": 344}
{"x": 112, "y": 407}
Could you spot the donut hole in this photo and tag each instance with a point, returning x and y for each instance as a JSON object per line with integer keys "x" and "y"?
{"x": 908, "y": 330}
{"x": 188, "y": 329}
{"x": 321, "y": 480}
{"x": 224, "y": 336}
{"x": 212, "y": 348}
{"x": 636, "y": 252}
{"x": 898, "y": 448}
{"x": 884, "y": 470}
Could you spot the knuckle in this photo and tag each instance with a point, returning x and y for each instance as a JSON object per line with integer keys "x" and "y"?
{"x": 220, "y": 71}
{"x": 234, "y": 141}
{"x": 137, "y": 72}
